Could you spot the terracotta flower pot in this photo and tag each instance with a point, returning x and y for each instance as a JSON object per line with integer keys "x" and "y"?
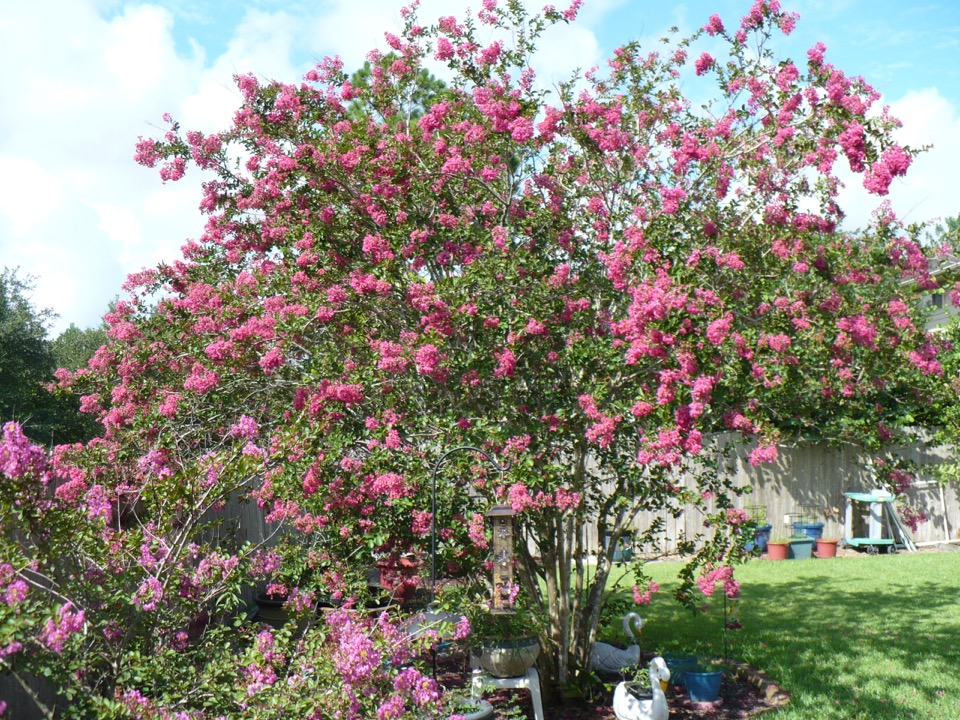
{"x": 826, "y": 548}
{"x": 777, "y": 550}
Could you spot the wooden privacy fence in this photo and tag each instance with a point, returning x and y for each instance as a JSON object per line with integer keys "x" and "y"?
{"x": 812, "y": 480}
{"x": 809, "y": 479}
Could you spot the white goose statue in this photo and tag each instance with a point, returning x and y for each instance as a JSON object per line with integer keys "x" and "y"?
{"x": 611, "y": 659}
{"x": 645, "y": 706}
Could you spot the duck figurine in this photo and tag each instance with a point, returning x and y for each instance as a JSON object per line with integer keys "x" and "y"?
{"x": 628, "y": 704}
{"x": 607, "y": 658}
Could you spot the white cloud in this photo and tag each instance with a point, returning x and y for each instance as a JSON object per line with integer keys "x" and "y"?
{"x": 72, "y": 209}
{"x": 927, "y": 191}
{"x": 29, "y": 195}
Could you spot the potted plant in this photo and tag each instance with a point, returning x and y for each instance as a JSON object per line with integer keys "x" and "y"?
{"x": 778, "y": 548}
{"x": 469, "y": 707}
{"x": 801, "y": 548}
{"x": 761, "y": 533}
{"x": 644, "y": 696}
{"x": 679, "y": 663}
{"x": 400, "y": 574}
{"x": 827, "y": 547}
{"x": 508, "y": 645}
{"x": 703, "y": 682}
{"x": 270, "y": 608}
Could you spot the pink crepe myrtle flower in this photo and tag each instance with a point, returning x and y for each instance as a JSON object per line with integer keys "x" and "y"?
{"x": 423, "y": 690}
{"x": 520, "y": 498}
{"x": 201, "y": 380}
{"x": 723, "y": 575}
{"x": 355, "y": 654}
{"x": 171, "y": 403}
{"x": 271, "y": 360}
{"x": 392, "y": 708}
{"x": 173, "y": 170}
{"x": 763, "y": 454}
{"x": 148, "y": 595}
{"x": 643, "y": 597}
{"x": 58, "y": 630}
{"x": 16, "y": 593}
{"x": 259, "y": 678}
{"x": 565, "y": 500}
{"x": 99, "y": 503}
{"x": 912, "y": 517}
{"x": 714, "y": 25}
{"x": 245, "y": 427}
{"x": 462, "y": 630}
{"x": 719, "y": 330}
{"x": 476, "y": 531}
{"x": 787, "y": 75}
{"x": 602, "y": 432}
{"x": 428, "y": 360}
{"x": 19, "y": 457}
{"x": 147, "y": 152}
{"x": 506, "y": 363}
{"x": 422, "y": 522}
{"x": 703, "y": 63}
{"x": 671, "y": 198}
{"x": 445, "y": 50}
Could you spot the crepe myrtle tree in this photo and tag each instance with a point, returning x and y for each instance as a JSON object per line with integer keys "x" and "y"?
{"x": 595, "y": 282}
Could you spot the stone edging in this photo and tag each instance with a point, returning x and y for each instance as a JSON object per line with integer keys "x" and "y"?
{"x": 775, "y": 695}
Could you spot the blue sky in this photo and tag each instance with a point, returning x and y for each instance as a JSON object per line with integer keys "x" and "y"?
{"x": 82, "y": 79}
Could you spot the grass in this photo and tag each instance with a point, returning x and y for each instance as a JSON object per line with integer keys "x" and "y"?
{"x": 866, "y": 637}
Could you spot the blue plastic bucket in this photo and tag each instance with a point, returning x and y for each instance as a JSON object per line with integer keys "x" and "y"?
{"x": 760, "y": 538}
{"x": 814, "y": 531}
{"x": 703, "y": 686}
{"x": 801, "y": 548}
{"x": 678, "y": 665}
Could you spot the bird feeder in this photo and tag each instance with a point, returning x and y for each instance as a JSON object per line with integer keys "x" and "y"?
{"x": 501, "y": 518}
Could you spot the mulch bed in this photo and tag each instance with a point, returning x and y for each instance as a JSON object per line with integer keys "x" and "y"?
{"x": 745, "y": 695}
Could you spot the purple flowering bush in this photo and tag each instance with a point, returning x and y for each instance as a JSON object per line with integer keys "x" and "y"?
{"x": 144, "y": 644}
{"x": 355, "y": 666}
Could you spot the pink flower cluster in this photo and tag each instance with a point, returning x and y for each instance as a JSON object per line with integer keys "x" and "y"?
{"x": 711, "y": 576}
{"x": 643, "y": 597}
{"x": 736, "y": 516}
{"x": 911, "y": 517}
{"x": 59, "y": 629}
{"x": 763, "y": 454}
{"x": 19, "y": 458}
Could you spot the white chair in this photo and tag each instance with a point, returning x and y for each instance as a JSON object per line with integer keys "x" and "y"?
{"x": 530, "y": 681}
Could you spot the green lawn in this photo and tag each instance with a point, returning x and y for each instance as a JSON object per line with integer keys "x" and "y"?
{"x": 875, "y": 638}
